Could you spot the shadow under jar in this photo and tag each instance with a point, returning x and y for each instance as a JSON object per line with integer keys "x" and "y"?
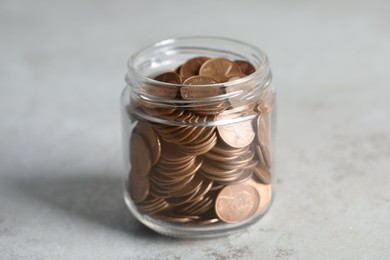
{"x": 198, "y": 149}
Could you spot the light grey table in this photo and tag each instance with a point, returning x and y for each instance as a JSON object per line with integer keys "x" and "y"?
{"x": 62, "y": 65}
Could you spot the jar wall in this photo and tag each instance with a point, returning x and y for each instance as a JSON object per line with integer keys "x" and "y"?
{"x": 198, "y": 168}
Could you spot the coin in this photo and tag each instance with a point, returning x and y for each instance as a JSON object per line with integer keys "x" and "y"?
{"x": 140, "y": 155}
{"x": 191, "y": 67}
{"x": 199, "y": 92}
{"x": 199, "y": 80}
{"x": 169, "y": 77}
{"x": 237, "y": 135}
{"x": 220, "y": 69}
{"x": 161, "y": 91}
{"x": 177, "y": 70}
{"x": 207, "y": 221}
{"x": 266, "y": 102}
{"x": 262, "y": 174}
{"x": 265, "y": 192}
{"x": 246, "y": 175}
{"x": 236, "y": 203}
{"x": 156, "y": 109}
{"x": 260, "y": 156}
{"x": 245, "y": 67}
{"x": 211, "y": 108}
{"x": 146, "y": 130}
{"x": 191, "y": 188}
{"x": 234, "y": 78}
{"x": 266, "y": 155}
{"x": 263, "y": 107}
{"x": 139, "y": 187}
{"x": 263, "y": 130}
{"x": 201, "y": 206}
{"x": 152, "y": 205}
{"x": 178, "y": 218}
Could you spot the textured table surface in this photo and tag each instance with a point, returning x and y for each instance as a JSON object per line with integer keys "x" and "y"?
{"x": 62, "y": 65}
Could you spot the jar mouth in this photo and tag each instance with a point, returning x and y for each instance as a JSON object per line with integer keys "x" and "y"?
{"x": 261, "y": 66}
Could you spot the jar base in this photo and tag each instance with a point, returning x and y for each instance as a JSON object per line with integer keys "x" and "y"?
{"x": 187, "y": 231}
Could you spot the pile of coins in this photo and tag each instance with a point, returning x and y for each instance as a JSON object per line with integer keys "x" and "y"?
{"x": 193, "y": 171}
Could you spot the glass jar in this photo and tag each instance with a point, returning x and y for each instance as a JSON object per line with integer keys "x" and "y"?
{"x": 199, "y": 166}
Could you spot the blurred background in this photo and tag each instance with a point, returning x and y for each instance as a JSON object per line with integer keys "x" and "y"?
{"x": 62, "y": 67}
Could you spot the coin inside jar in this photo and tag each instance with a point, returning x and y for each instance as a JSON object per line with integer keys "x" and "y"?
{"x": 169, "y": 77}
{"x": 237, "y": 202}
{"x": 220, "y": 69}
{"x": 140, "y": 155}
{"x": 146, "y": 130}
{"x": 237, "y": 134}
{"x": 199, "y": 92}
{"x": 139, "y": 187}
{"x": 191, "y": 67}
{"x": 245, "y": 67}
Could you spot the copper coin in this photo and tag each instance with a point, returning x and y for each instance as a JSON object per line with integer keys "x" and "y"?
{"x": 146, "y": 130}
{"x": 217, "y": 186}
{"x": 165, "y": 166}
{"x": 198, "y": 149}
{"x": 237, "y": 202}
{"x": 155, "y": 108}
{"x": 212, "y": 108}
{"x": 178, "y": 218}
{"x": 170, "y": 152}
{"x": 262, "y": 174}
{"x": 266, "y": 155}
{"x": 223, "y": 179}
{"x": 177, "y": 70}
{"x": 199, "y": 92}
{"x": 263, "y": 130}
{"x": 237, "y": 134}
{"x": 202, "y": 206}
{"x": 200, "y": 80}
{"x": 265, "y": 192}
{"x": 140, "y": 155}
{"x": 219, "y": 69}
{"x": 197, "y": 207}
{"x": 263, "y": 107}
{"x": 161, "y": 91}
{"x": 204, "y": 189}
{"x": 245, "y": 67}
{"x": 267, "y": 101}
{"x": 246, "y": 175}
{"x": 139, "y": 187}
{"x": 222, "y": 149}
{"x": 187, "y": 136}
{"x": 214, "y": 169}
{"x": 191, "y": 188}
{"x": 191, "y": 67}
{"x": 169, "y": 77}
{"x": 207, "y": 221}
{"x": 260, "y": 156}
{"x": 178, "y": 201}
{"x": 234, "y": 78}
{"x": 152, "y": 205}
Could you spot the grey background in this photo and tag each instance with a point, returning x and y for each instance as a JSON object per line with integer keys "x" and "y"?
{"x": 62, "y": 66}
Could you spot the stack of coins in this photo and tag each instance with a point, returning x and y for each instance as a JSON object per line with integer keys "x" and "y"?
{"x": 196, "y": 171}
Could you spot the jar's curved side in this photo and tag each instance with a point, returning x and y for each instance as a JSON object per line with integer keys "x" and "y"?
{"x": 188, "y": 231}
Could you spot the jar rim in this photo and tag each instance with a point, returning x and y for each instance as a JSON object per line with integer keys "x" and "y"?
{"x": 260, "y": 70}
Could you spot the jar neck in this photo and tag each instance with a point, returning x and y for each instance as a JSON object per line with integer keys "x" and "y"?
{"x": 210, "y": 100}
{"x": 241, "y": 89}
